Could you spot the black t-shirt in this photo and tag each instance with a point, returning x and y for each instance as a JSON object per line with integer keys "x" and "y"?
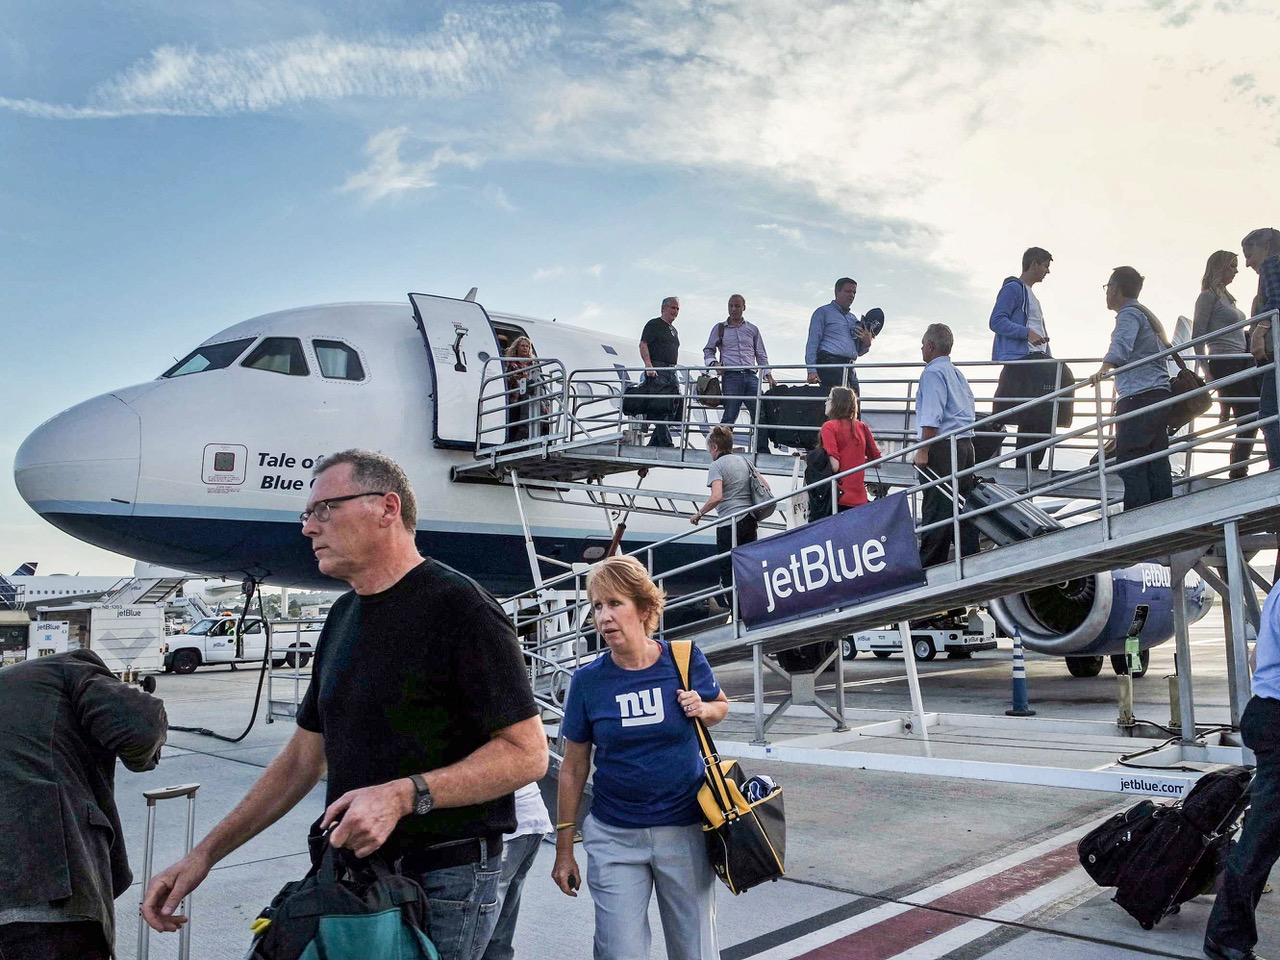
{"x": 663, "y": 341}
{"x": 412, "y": 679}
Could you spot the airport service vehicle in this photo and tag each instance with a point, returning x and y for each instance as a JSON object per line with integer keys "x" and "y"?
{"x": 127, "y": 472}
{"x": 957, "y": 633}
{"x": 127, "y": 636}
{"x": 214, "y": 640}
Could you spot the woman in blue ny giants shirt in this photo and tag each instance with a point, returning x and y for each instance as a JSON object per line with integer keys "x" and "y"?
{"x": 644, "y": 829}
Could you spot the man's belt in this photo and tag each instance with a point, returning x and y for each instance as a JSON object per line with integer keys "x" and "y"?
{"x": 455, "y": 853}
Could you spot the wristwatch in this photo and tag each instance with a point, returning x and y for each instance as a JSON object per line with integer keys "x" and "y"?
{"x": 422, "y": 799}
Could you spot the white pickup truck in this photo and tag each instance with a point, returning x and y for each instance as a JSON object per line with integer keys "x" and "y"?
{"x": 213, "y": 641}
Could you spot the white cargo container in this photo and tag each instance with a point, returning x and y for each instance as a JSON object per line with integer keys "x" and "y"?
{"x": 127, "y": 636}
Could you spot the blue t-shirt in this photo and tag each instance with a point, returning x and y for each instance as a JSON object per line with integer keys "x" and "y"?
{"x": 648, "y": 768}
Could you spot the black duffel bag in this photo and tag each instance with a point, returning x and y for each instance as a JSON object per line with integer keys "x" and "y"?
{"x": 344, "y": 907}
{"x": 1105, "y": 849}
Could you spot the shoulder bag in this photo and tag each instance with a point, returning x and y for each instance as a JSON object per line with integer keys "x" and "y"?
{"x": 1183, "y": 384}
{"x": 746, "y": 840}
{"x": 708, "y": 384}
{"x": 760, "y": 493}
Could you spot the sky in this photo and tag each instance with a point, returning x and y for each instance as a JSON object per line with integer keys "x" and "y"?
{"x": 170, "y": 168}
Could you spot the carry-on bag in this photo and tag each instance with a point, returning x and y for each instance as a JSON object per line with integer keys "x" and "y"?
{"x": 760, "y": 494}
{"x": 1010, "y": 522}
{"x": 153, "y": 797}
{"x": 1182, "y": 854}
{"x": 1105, "y": 849}
{"x": 344, "y": 907}
{"x": 746, "y": 838}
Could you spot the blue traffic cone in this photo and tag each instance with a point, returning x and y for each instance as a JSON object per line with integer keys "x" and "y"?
{"x": 1021, "y": 707}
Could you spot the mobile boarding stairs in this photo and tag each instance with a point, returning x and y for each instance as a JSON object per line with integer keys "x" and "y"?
{"x": 577, "y": 445}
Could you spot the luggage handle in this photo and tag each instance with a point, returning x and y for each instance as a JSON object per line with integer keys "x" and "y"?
{"x": 187, "y": 790}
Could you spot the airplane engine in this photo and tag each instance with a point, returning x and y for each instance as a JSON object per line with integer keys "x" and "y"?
{"x": 1091, "y": 616}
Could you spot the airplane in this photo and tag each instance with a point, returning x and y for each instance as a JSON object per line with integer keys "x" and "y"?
{"x": 23, "y": 588}
{"x": 126, "y": 470}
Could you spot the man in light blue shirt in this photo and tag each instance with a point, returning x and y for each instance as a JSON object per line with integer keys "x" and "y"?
{"x": 944, "y": 405}
{"x": 1232, "y": 930}
{"x": 836, "y": 336}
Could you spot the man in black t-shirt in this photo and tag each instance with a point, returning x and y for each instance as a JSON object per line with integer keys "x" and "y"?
{"x": 660, "y": 350}
{"x": 419, "y": 708}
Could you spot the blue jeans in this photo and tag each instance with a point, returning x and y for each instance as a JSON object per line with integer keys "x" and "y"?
{"x": 736, "y": 385}
{"x": 518, "y": 854}
{"x": 462, "y": 907}
{"x": 1267, "y": 408}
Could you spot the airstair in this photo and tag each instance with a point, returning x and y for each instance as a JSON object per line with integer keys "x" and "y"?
{"x": 10, "y": 594}
{"x": 579, "y": 446}
{"x": 143, "y": 590}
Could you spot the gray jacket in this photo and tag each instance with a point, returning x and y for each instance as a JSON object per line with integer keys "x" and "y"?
{"x": 64, "y": 722}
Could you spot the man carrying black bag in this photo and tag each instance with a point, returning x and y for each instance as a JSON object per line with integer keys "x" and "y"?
{"x": 419, "y": 708}
{"x": 1232, "y": 930}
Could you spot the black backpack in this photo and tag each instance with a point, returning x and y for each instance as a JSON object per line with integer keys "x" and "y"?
{"x": 818, "y": 467}
{"x": 345, "y": 907}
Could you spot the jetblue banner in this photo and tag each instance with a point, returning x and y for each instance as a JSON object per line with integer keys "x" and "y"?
{"x": 863, "y": 553}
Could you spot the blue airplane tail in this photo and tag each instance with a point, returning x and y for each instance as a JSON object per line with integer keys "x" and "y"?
{"x": 26, "y": 570}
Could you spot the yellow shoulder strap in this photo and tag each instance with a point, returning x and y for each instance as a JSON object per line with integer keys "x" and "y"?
{"x": 682, "y": 650}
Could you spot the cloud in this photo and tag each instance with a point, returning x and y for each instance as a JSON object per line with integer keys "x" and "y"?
{"x": 793, "y": 234}
{"x": 387, "y": 173}
{"x": 548, "y": 273}
{"x": 473, "y": 48}
{"x": 595, "y": 271}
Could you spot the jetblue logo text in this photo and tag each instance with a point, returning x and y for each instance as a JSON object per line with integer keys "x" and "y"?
{"x": 1152, "y": 786}
{"x": 641, "y": 709}
{"x": 1154, "y": 575}
{"x": 862, "y": 553}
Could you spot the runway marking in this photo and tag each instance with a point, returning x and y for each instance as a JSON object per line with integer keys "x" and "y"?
{"x": 973, "y": 902}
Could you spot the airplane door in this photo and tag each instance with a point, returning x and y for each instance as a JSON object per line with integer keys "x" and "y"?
{"x": 459, "y": 339}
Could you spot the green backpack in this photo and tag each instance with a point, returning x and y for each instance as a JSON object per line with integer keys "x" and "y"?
{"x": 345, "y": 909}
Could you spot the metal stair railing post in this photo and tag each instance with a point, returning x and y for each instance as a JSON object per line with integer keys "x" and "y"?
{"x": 1238, "y": 583}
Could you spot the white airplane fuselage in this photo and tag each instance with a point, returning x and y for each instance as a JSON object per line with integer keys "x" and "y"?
{"x": 128, "y": 471}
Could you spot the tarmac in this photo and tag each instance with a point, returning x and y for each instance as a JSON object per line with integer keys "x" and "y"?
{"x": 879, "y": 865}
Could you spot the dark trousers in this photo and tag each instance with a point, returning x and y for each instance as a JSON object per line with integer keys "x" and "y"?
{"x": 1020, "y": 380}
{"x": 748, "y": 527}
{"x": 1239, "y": 402}
{"x": 74, "y": 940}
{"x": 935, "y": 544}
{"x": 834, "y": 377}
{"x": 661, "y": 411}
{"x": 1231, "y": 924}
{"x": 1144, "y": 434}
{"x": 739, "y": 388}
{"x": 1267, "y": 408}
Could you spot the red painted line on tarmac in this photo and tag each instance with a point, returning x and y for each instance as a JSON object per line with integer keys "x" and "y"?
{"x": 920, "y": 924}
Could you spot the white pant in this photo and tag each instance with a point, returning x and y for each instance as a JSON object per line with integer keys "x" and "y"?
{"x": 624, "y": 865}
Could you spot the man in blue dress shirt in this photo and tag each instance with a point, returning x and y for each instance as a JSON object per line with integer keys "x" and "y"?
{"x": 836, "y": 336}
{"x": 944, "y": 403}
{"x": 1232, "y": 931}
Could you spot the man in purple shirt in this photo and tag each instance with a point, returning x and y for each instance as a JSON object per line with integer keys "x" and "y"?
{"x": 740, "y": 345}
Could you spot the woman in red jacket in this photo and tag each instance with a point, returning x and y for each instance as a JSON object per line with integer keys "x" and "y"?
{"x": 848, "y": 443}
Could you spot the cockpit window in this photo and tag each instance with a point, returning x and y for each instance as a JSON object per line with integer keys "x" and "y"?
{"x": 279, "y": 355}
{"x": 212, "y": 356}
{"x": 338, "y": 361}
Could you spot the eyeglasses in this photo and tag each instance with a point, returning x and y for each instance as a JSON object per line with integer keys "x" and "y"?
{"x": 323, "y": 509}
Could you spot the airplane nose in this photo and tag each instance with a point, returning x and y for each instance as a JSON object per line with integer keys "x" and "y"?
{"x": 82, "y": 461}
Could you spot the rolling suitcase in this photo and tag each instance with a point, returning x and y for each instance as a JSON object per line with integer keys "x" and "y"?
{"x": 187, "y": 790}
{"x": 1184, "y": 850}
{"x": 1011, "y": 522}
{"x": 1105, "y": 849}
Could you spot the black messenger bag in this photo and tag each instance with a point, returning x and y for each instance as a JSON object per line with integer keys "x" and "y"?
{"x": 746, "y": 841}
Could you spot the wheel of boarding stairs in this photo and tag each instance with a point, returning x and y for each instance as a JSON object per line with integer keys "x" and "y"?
{"x": 149, "y": 683}
{"x": 1084, "y": 666}
{"x": 923, "y": 647}
{"x": 1119, "y": 663}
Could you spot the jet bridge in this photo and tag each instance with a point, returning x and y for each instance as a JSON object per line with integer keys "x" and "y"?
{"x": 1213, "y": 525}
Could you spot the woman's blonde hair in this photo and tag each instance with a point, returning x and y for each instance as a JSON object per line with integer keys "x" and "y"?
{"x": 722, "y": 439}
{"x": 626, "y": 577}
{"x": 1215, "y": 273}
{"x": 842, "y": 404}
{"x": 513, "y": 350}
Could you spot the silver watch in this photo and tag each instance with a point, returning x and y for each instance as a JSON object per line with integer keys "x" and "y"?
{"x": 422, "y": 799}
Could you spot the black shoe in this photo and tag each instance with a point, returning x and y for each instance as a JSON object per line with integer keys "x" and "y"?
{"x": 1218, "y": 952}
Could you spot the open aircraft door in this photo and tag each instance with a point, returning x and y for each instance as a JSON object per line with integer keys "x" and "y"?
{"x": 459, "y": 340}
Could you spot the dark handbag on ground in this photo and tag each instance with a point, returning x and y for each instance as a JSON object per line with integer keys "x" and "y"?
{"x": 746, "y": 840}
{"x": 1182, "y": 853}
{"x": 760, "y": 493}
{"x": 344, "y": 907}
{"x": 708, "y": 386}
{"x": 1105, "y": 849}
{"x": 1185, "y": 381}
